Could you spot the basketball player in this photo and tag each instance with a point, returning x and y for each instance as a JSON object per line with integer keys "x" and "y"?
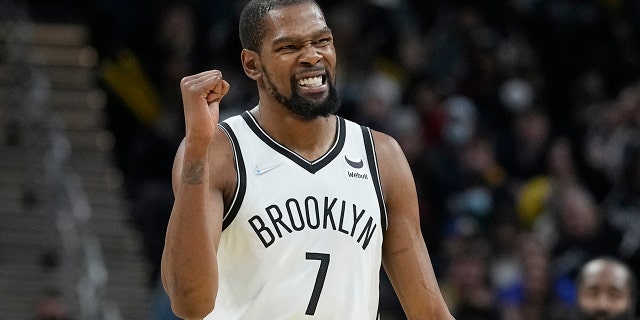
{"x": 288, "y": 211}
{"x": 606, "y": 290}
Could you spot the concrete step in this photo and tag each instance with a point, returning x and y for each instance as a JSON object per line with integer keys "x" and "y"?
{"x": 64, "y": 77}
{"x": 65, "y": 99}
{"x": 52, "y": 34}
{"x": 67, "y": 56}
{"x": 74, "y": 108}
{"x": 49, "y": 44}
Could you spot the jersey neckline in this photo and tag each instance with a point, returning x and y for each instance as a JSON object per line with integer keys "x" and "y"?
{"x": 311, "y": 166}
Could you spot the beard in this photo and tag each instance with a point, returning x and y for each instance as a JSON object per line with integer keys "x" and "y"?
{"x": 603, "y": 315}
{"x": 306, "y": 109}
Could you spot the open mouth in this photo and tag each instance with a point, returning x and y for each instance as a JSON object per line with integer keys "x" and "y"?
{"x": 311, "y": 82}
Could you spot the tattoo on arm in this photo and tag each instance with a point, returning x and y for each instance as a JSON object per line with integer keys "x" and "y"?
{"x": 192, "y": 172}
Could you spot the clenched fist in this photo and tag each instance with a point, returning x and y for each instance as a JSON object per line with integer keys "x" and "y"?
{"x": 201, "y": 95}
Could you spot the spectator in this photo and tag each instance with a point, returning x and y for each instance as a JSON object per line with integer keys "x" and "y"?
{"x": 466, "y": 286}
{"x": 607, "y": 289}
{"x": 622, "y": 210}
{"x": 576, "y": 230}
{"x": 538, "y": 293}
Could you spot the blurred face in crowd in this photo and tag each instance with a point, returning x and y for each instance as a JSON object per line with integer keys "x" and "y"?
{"x": 577, "y": 214}
{"x": 604, "y": 292}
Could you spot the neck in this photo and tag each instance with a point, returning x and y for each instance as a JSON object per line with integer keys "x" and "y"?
{"x": 310, "y": 139}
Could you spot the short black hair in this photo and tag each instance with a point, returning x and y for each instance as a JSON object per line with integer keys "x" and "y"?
{"x": 252, "y": 20}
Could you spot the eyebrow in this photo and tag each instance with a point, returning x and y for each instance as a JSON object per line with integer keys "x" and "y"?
{"x": 316, "y": 34}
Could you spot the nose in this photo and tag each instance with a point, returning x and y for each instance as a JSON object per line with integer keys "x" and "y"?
{"x": 603, "y": 304}
{"x": 310, "y": 55}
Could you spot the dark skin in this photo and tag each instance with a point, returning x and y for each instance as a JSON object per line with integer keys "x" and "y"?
{"x": 604, "y": 291}
{"x": 297, "y": 44}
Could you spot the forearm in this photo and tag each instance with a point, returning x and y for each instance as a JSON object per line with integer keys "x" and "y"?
{"x": 189, "y": 265}
{"x": 407, "y": 262}
{"x": 404, "y": 253}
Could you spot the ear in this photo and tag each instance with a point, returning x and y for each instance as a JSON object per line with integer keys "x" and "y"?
{"x": 251, "y": 64}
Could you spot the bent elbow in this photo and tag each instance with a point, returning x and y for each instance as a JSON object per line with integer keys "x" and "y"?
{"x": 186, "y": 308}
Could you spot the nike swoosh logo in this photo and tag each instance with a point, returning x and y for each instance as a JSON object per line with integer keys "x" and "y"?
{"x": 355, "y": 164}
{"x": 259, "y": 171}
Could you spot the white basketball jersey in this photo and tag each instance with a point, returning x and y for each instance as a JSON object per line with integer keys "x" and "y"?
{"x": 301, "y": 240}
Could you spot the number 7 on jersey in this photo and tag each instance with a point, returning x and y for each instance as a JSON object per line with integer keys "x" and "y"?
{"x": 322, "y": 274}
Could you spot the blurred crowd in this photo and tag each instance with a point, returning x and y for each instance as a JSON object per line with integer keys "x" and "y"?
{"x": 520, "y": 119}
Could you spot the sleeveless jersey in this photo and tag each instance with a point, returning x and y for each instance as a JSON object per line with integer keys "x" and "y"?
{"x": 301, "y": 240}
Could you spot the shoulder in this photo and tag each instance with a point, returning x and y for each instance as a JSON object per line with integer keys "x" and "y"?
{"x": 220, "y": 161}
{"x": 222, "y": 164}
{"x": 392, "y": 164}
{"x": 386, "y": 145}
{"x": 389, "y": 154}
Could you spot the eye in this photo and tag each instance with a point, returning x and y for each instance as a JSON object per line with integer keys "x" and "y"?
{"x": 591, "y": 292}
{"x": 323, "y": 41}
{"x": 287, "y": 48}
{"x": 616, "y": 294}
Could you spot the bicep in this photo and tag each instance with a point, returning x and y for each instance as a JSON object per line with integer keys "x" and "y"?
{"x": 221, "y": 179}
{"x": 405, "y": 256}
{"x": 400, "y": 196}
{"x": 176, "y": 171}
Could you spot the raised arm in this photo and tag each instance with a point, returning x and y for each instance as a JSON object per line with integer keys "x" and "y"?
{"x": 404, "y": 253}
{"x": 189, "y": 264}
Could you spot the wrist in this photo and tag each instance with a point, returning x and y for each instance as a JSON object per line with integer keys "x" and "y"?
{"x": 196, "y": 147}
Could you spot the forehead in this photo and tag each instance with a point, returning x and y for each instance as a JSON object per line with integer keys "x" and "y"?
{"x": 293, "y": 21}
{"x": 606, "y": 275}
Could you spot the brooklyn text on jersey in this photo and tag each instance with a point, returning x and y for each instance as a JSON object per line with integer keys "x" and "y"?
{"x": 297, "y": 215}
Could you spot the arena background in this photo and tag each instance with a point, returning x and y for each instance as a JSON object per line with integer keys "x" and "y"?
{"x": 520, "y": 119}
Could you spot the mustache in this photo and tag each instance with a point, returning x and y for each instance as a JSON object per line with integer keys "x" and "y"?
{"x": 605, "y": 315}
{"x": 312, "y": 69}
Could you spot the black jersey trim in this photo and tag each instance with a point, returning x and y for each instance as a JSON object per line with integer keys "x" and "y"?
{"x": 311, "y": 166}
{"x": 241, "y": 177}
{"x": 370, "y": 149}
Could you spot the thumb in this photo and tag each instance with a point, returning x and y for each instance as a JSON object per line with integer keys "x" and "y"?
{"x": 218, "y": 92}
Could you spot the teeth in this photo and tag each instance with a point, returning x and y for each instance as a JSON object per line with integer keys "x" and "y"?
{"x": 311, "y": 82}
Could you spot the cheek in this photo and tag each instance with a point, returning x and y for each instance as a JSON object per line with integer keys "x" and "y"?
{"x": 331, "y": 61}
{"x": 278, "y": 80}
{"x": 620, "y": 305}
{"x": 586, "y": 301}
